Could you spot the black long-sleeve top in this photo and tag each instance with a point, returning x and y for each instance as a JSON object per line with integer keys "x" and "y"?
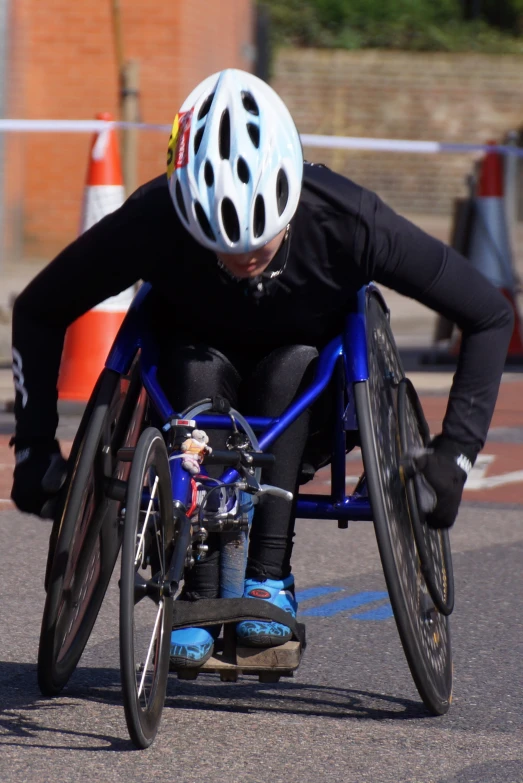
{"x": 342, "y": 236}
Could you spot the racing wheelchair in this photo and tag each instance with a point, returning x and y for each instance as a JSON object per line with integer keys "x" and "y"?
{"x": 128, "y": 489}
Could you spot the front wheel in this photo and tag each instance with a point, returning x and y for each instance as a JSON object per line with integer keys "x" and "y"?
{"x": 146, "y": 602}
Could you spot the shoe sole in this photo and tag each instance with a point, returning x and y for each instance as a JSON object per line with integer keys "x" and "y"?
{"x": 263, "y": 641}
{"x": 179, "y": 662}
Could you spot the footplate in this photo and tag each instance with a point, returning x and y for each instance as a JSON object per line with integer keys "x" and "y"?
{"x": 229, "y": 661}
{"x": 266, "y": 663}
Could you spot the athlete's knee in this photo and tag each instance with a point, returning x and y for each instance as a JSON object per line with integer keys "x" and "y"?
{"x": 287, "y": 369}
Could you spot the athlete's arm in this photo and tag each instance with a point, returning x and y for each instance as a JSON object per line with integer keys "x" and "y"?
{"x": 102, "y": 262}
{"x": 404, "y": 258}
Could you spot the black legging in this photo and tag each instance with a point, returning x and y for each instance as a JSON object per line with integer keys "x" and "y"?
{"x": 260, "y": 384}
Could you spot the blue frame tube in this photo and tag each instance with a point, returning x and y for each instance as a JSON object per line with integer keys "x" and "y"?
{"x": 321, "y": 507}
{"x": 338, "y": 469}
{"x": 355, "y": 342}
{"x": 218, "y": 421}
{"x": 181, "y": 483}
{"x": 129, "y": 337}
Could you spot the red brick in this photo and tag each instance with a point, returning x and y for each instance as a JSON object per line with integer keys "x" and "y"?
{"x": 63, "y": 67}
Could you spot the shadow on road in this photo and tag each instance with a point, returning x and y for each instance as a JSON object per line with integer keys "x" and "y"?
{"x": 294, "y": 698}
{"x": 27, "y": 716}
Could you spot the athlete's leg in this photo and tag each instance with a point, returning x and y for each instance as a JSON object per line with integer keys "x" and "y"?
{"x": 276, "y": 381}
{"x": 187, "y": 373}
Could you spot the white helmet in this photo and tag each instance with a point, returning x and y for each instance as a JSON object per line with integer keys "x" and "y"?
{"x": 235, "y": 163}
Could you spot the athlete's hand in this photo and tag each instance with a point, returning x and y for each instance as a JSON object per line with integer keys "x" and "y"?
{"x": 442, "y": 471}
{"x": 40, "y": 472}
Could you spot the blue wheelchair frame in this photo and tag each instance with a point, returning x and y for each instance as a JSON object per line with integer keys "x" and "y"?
{"x": 344, "y": 357}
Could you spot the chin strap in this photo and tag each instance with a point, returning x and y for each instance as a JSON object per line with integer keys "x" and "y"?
{"x": 257, "y": 287}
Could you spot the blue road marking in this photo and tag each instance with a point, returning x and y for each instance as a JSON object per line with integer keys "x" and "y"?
{"x": 316, "y": 592}
{"x": 381, "y": 613}
{"x": 344, "y": 604}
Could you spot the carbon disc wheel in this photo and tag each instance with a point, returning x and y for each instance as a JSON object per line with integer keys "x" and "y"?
{"x": 423, "y": 630}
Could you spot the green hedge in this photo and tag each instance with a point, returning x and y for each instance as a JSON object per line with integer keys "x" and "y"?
{"x": 422, "y": 25}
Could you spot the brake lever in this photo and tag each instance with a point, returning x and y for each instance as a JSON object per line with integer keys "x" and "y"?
{"x": 250, "y": 485}
{"x": 268, "y": 489}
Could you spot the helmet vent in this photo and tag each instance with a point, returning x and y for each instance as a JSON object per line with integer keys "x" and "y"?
{"x": 249, "y": 104}
{"x": 208, "y": 173}
{"x": 204, "y": 108}
{"x": 224, "y": 136}
{"x": 243, "y": 170}
{"x": 198, "y": 139}
{"x": 202, "y": 220}
{"x": 254, "y": 133}
{"x": 230, "y": 220}
{"x": 282, "y": 191}
{"x": 180, "y": 202}
{"x": 259, "y": 216}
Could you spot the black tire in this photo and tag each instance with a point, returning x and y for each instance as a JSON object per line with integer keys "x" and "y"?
{"x": 87, "y": 534}
{"x": 433, "y": 545}
{"x": 424, "y": 632}
{"x": 146, "y": 603}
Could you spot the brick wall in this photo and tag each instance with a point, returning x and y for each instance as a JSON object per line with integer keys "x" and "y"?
{"x": 400, "y": 95}
{"x": 63, "y": 66}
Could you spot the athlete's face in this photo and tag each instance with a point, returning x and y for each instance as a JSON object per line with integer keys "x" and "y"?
{"x": 245, "y": 265}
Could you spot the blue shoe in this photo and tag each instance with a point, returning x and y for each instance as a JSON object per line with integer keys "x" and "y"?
{"x": 262, "y": 633}
{"x": 190, "y": 647}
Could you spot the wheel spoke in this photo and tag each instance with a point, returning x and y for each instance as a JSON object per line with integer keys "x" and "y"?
{"x": 159, "y": 615}
{"x": 161, "y": 550}
{"x": 140, "y": 549}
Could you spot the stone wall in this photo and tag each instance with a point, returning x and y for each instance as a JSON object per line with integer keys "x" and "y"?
{"x": 402, "y": 95}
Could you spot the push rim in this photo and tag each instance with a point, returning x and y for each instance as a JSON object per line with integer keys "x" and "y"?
{"x": 433, "y": 545}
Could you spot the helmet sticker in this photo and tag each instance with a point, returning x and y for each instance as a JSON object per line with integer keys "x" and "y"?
{"x": 178, "y": 150}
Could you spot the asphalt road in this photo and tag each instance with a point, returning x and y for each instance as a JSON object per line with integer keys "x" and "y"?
{"x": 350, "y": 714}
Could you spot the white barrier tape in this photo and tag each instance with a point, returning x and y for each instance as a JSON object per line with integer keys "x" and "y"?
{"x": 356, "y": 143}
{"x": 75, "y": 126}
{"x": 308, "y": 140}
{"x": 400, "y": 145}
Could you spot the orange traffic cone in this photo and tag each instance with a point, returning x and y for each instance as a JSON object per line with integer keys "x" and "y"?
{"x": 89, "y": 339}
{"x": 489, "y": 248}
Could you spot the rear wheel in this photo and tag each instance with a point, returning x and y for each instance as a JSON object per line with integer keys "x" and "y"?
{"x": 87, "y": 533}
{"x": 423, "y": 630}
{"x": 146, "y": 602}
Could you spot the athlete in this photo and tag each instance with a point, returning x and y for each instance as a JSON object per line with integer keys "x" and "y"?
{"x": 253, "y": 257}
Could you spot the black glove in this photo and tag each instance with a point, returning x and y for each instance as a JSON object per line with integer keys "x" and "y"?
{"x": 39, "y": 474}
{"x": 441, "y": 470}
